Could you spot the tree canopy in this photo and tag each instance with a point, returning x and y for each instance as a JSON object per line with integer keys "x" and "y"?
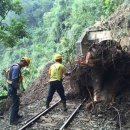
{"x": 11, "y": 32}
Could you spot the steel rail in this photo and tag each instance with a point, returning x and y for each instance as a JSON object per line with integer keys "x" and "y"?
{"x": 71, "y": 116}
{"x": 36, "y": 117}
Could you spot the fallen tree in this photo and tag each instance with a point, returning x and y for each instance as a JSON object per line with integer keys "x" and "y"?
{"x": 108, "y": 72}
{"x": 109, "y": 75}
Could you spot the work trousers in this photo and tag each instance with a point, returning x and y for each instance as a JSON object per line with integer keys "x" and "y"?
{"x": 56, "y": 86}
{"x": 14, "y": 103}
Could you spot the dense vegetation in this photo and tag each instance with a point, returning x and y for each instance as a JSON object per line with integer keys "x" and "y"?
{"x": 51, "y": 26}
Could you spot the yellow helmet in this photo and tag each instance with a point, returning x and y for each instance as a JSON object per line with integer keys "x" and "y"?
{"x": 26, "y": 59}
{"x": 57, "y": 56}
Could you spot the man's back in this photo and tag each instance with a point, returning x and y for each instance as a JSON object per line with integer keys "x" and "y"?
{"x": 56, "y": 71}
{"x": 14, "y": 72}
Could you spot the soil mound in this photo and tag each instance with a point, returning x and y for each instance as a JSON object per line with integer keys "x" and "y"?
{"x": 38, "y": 89}
{"x": 117, "y": 20}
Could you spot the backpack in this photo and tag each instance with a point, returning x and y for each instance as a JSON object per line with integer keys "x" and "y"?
{"x": 7, "y": 71}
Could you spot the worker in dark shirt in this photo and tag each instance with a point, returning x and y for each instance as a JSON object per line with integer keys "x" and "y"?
{"x": 13, "y": 80}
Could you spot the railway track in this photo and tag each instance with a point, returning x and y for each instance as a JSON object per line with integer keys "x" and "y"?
{"x": 54, "y": 118}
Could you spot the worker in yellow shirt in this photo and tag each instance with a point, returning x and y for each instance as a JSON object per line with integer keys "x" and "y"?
{"x": 56, "y": 72}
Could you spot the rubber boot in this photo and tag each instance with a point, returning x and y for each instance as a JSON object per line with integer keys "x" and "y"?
{"x": 64, "y": 106}
{"x": 47, "y": 104}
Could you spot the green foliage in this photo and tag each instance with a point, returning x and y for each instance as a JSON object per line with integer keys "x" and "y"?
{"x": 3, "y": 86}
{"x": 126, "y": 2}
{"x": 9, "y": 5}
{"x": 35, "y": 9}
{"x": 11, "y": 33}
{"x": 110, "y": 5}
